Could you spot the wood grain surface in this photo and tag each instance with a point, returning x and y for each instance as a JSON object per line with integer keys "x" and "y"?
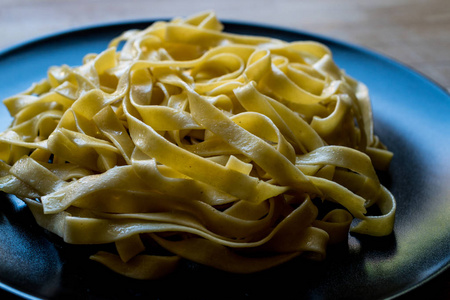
{"x": 414, "y": 32}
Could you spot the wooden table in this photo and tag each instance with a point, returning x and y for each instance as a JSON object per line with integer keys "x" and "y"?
{"x": 414, "y": 32}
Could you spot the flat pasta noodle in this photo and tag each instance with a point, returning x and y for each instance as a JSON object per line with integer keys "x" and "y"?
{"x": 215, "y": 147}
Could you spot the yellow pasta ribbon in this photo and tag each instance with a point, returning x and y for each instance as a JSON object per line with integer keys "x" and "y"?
{"x": 217, "y": 146}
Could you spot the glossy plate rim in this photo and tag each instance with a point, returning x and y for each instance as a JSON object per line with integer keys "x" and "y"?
{"x": 23, "y": 46}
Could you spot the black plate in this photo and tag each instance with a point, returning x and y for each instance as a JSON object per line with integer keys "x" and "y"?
{"x": 411, "y": 117}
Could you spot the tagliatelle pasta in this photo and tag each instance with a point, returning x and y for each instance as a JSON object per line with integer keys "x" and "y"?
{"x": 184, "y": 141}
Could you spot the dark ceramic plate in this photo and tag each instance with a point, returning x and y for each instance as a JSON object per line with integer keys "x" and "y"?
{"x": 411, "y": 117}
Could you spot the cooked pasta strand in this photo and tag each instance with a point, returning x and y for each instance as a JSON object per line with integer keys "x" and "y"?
{"x": 218, "y": 146}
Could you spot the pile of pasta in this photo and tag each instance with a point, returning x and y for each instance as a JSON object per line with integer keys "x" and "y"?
{"x": 183, "y": 141}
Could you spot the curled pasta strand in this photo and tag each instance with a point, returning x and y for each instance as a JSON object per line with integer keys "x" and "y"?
{"x": 217, "y": 146}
